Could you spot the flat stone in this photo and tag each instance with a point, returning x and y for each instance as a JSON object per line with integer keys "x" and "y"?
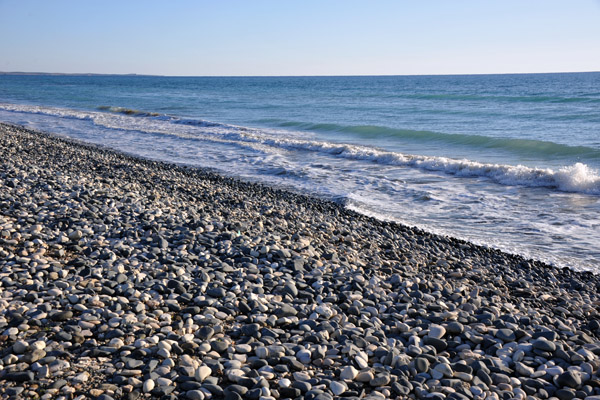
{"x": 568, "y": 378}
{"x": 380, "y": 380}
{"x": 455, "y": 328}
{"x": 15, "y": 390}
{"x": 285, "y": 310}
{"x": 75, "y": 235}
{"x": 219, "y": 346}
{"x": 202, "y": 372}
{"x": 436, "y": 331}
{"x": 24, "y": 376}
{"x": 195, "y": 395}
{"x": 337, "y": 388}
{"x": 506, "y": 335}
{"x": 217, "y": 292}
{"x": 348, "y": 373}
{"x": 19, "y": 347}
{"x": 81, "y": 378}
{"x": 421, "y": 364}
{"x": 364, "y": 376}
{"x": 439, "y": 344}
{"x": 62, "y": 316}
{"x": 148, "y": 386}
{"x": 544, "y": 345}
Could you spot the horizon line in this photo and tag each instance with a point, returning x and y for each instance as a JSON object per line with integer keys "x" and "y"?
{"x": 279, "y": 76}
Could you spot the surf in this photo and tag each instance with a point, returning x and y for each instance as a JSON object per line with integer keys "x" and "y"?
{"x": 577, "y": 177}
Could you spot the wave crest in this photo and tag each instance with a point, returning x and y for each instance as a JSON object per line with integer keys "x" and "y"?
{"x": 579, "y": 177}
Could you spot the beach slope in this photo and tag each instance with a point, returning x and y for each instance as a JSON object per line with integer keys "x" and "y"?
{"x": 127, "y": 278}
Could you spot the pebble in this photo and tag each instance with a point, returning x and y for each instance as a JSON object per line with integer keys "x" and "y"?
{"x": 568, "y": 378}
{"x": 19, "y": 347}
{"x": 506, "y": 335}
{"x": 421, "y": 364}
{"x": 148, "y": 385}
{"x": 544, "y": 345}
{"x": 337, "y": 388}
{"x": 202, "y": 372}
{"x": 436, "y": 331}
{"x": 128, "y": 278}
{"x": 348, "y": 373}
{"x": 364, "y": 376}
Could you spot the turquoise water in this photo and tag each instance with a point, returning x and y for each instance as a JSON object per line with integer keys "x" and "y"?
{"x": 509, "y": 161}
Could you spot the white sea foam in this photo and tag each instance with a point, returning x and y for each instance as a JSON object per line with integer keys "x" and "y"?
{"x": 578, "y": 178}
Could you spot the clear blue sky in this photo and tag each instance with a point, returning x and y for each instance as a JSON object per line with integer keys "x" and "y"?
{"x": 302, "y": 37}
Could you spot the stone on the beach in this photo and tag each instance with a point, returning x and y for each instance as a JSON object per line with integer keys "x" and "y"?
{"x": 506, "y": 335}
{"x": 19, "y": 347}
{"x": 544, "y": 345}
{"x": 436, "y": 331}
{"x": 348, "y": 373}
{"x": 337, "y": 388}
{"x": 421, "y": 364}
{"x": 364, "y": 376}
{"x": 129, "y": 278}
{"x": 148, "y": 385}
{"x": 568, "y": 378}
{"x": 75, "y": 235}
{"x": 202, "y": 372}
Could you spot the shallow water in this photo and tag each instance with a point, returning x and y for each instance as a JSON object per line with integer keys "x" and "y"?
{"x": 509, "y": 161}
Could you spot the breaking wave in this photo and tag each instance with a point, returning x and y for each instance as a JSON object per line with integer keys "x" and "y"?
{"x": 579, "y": 177}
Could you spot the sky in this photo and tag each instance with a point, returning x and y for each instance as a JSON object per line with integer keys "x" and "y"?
{"x": 308, "y": 37}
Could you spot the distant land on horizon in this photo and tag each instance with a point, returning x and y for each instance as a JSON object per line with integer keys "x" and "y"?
{"x": 266, "y": 76}
{"x": 68, "y": 73}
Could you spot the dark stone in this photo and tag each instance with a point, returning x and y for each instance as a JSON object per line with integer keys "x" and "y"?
{"x": 205, "y": 332}
{"x": 549, "y": 335}
{"x": 219, "y": 346}
{"x": 455, "y": 328}
{"x": 190, "y": 385}
{"x": 484, "y": 376}
{"x": 217, "y": 292}
{"x": 24, "y": 376}
{"x": 14, "y": 391}
{"x": 285, "y": 310}
{"x": 289, "y": 392}
{"x": 439, "y": 344}
{"x": 565, "y": 394}
{"x": 63, "y": 336}
{"x": 302, "y": 386}
{"x": 58, "y": 384}
{"x": 506, "y": 335}
{"x": 400, "y": 389}
{"x": 61, "y": 316}
{"x": 544, "y": 345}
{"x": 380, "y": 380}
{"x": 214, "y": 389}
{"x": 568, "y": 378}
{"x": 421, "y": 364}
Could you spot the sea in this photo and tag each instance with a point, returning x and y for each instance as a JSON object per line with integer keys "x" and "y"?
{"x": 505, "y": 161}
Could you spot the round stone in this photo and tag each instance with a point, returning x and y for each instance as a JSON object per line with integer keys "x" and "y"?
{"x": 421, "y": 364}
{"x": 202, "y": 372}
{"x": 544, "y": 345}
{"x": 506, "y": 335}
{"x": 436, "y": 331}
{"x": 380, "y": 380}
{"x": 337, "y": 388}
{"x": 148, "y": 386}
{"x": 348, "y": 373}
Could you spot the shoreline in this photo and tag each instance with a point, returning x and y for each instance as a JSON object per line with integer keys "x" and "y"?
{"x": 125, "y": 277}
{"x": 284, "y": 191}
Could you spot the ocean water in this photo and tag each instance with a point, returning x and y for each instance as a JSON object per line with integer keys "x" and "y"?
{"x": 507, "y": 161}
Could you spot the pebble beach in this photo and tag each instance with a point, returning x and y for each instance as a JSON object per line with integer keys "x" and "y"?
{"x": 126, "y": 278}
